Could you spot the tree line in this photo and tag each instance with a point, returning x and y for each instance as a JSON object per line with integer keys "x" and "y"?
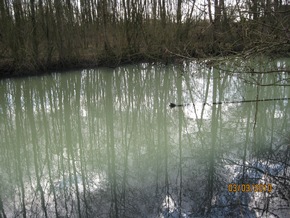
{"x": 48, "y": 34}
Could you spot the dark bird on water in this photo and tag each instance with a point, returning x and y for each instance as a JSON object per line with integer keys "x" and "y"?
{"x": 172, "y": 105}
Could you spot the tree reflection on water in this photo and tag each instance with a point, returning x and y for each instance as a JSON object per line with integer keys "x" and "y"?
{"x": 105, "y": 143}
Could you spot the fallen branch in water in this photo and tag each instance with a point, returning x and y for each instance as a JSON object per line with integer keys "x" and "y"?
{"x": 172, "y": 105}
{"x": 256, "y": 100}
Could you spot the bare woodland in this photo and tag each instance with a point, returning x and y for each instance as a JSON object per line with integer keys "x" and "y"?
{"x": 46, "y": 35}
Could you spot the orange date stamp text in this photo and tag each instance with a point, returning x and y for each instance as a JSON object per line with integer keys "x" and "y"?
{"x": 233, "y": 187}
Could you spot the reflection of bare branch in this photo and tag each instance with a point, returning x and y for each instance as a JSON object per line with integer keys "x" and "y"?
{"x": 255, "y": 100}
{"x": 269, "y": 71}
{"x": 172, "y": 105}
{"x": 252, "y": 71}
{"x": 275, "y": 177}
{"x": 277, "y": 83}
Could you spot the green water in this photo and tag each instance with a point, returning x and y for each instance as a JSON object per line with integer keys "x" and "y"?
{"x": 105, "y": 143}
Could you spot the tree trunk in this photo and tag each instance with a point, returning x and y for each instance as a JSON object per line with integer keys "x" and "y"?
{"x": 255, "y": 9}
{"x": 209, "y": 11}
{"x": 34, "y": 31}
{"x": 178, "y": 14}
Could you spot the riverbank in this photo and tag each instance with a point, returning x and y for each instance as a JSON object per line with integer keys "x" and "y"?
{"x": 10, "y": 68}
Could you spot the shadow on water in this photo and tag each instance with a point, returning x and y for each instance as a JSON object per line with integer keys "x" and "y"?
{"x": 105, "y": 143}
